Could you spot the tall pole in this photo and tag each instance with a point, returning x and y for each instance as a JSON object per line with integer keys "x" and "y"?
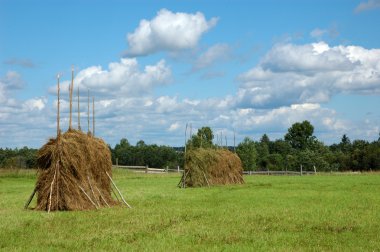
{"x": 93, "y": 116}
{"x": 58, "y": 130}
{"x": 88, "y": 110}
{"x": 234, "y": 142}
{"x": 71, "y": 95}
{"x": 78, "y": 111}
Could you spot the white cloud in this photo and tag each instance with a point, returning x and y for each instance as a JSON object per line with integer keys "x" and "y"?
{"x": 12, "y": 80}
{"x": 174, "y": 126}
{"x": 214, "y": 54}
{"x": 168, "y": 31}
{"x": 35, "y": 104}
{"x": 318, "y": 33}
{"x": 311, "y": 73}
{"x": 122, "y": 78}
{"x": 369, "y": 5}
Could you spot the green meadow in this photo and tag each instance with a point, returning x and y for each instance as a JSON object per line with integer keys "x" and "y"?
{"x": 268, "y": 213}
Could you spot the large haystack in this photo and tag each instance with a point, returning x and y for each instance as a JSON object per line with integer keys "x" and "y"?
{"x": 205, "y": 167}
{"x": 73, "y": 173}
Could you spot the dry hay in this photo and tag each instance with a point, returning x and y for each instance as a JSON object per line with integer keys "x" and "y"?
{"x": 72, "y": 173}
{"x": 211, "y": 167}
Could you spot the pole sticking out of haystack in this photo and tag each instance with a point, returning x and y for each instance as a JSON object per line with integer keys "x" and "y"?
{"x": 78, "y": 111}
{"x": 58, "y": 129}
{"x": 71, "y": 96}
{"x": 88, "y": 110}
{"x": 234, "y": 142}
{"x": 93, "y": 116}
{"x": 118, "y": 190}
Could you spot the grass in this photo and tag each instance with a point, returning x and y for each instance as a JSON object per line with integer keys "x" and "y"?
{"x": 308, "y": 213}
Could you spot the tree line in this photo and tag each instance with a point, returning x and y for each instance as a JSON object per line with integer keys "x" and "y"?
{"x": 299, "y": 147}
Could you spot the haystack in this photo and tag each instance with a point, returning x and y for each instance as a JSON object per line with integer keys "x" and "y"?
{"x": 74, "y": 173}
{"x": 204, "y": 167}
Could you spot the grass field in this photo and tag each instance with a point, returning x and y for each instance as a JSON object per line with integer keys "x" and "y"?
{"x": 308, "y": 213}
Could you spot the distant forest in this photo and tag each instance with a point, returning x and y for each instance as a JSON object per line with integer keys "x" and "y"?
{"x": 298, "y": 147}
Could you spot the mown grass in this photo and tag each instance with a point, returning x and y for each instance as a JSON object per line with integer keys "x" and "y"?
{"x": 308, "y": 213}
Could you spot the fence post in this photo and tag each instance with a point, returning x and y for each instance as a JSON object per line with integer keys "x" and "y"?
{"x": 301, "y": 170}
{"x": 117, "y": 163}
{"x": 315, "y": 170}
{"x": 146, "y": 168}
{"x": 178, "y": 168}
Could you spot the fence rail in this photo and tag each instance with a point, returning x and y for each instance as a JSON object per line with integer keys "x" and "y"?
{"x": 279, "y": 173}
{"x": 146, "y": 169}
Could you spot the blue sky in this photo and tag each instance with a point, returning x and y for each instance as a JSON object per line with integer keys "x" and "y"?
{"x": 253, "y": 67}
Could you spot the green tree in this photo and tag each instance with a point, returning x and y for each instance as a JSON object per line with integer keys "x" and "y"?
{"x": 247, "y": 152}
{"x": 263, "y": 152}
{"x": 203, "y": 138}
{"x": 300, "y": 135}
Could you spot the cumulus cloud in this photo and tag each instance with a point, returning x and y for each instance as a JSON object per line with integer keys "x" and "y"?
{"x": 122, "y": 78}
{"x": 12, "y": 80}
{"x": 311, "y": 73}
{"x": 21, "y": 121}
{"x": 168, "y": 31}
{"x": 368, "y": 5}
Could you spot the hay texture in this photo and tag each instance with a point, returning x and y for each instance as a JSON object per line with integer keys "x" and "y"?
{"x": 205, "y": 167}
{"x": 72, "y": 173}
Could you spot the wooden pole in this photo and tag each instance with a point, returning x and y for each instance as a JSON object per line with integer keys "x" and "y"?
{"x": 58, "y": 129}
{"x": 71, "y": 96}
{"x": 30, "y": 198}
{"x": 51, "y": 190}
{"x": 88, "y": 197}
{"x": 79, "y": 128}
{"x": 113, "y": 191}
{"x": 88, "y": 110}
{"x": 92, "y": 190}
{"x": 101, "y": 195}
{"x": 234, "y": 142}
{"x": 301, "y": 170}
{"x": 118, "y": 190}
{"x": 204, "y": 175}
{"x": 93, "y": 116}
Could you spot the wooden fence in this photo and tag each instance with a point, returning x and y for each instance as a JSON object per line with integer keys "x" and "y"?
{"x": 146, "y": 169}
{"x": 290, "y": 173}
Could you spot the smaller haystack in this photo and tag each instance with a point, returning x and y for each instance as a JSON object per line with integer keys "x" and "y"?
{"x": 205, "y": 167}
{"x": 74, "y": 173}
